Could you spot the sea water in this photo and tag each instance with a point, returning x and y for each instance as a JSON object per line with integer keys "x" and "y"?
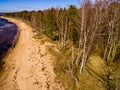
{"x": 8, "y": 31}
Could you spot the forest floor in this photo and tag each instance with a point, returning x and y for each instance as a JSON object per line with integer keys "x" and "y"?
{"x": 28, "y": 66}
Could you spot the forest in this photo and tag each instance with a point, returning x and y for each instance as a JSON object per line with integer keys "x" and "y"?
{"x": 88, "y": 38}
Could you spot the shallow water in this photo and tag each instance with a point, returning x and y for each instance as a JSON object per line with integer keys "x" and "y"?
{"x": 8, "y": 31}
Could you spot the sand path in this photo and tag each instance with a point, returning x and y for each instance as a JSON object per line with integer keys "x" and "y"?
{"x": 28, "y": 66}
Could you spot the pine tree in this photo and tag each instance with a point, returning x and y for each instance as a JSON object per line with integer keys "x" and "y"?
{"x": 72, "y": 15}
{"x": 51, "y": 26}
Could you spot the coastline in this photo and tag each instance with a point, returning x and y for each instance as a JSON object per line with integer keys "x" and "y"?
{"x": 16, "y": 37}
{"x": 14, "y": 42}
{"x": 28, "y": 66}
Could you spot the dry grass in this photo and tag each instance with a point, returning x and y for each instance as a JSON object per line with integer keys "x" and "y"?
{"x": 90, "y": 79}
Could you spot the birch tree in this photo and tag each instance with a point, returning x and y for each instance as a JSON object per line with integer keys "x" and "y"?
{"x": 62, "y": 22}
{"x": 88, "y": 32}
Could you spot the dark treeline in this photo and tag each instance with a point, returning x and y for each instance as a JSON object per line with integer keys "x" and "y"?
{"x": 90, "y": 29}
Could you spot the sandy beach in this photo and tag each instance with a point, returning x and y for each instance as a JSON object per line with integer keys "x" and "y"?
{"x": 28, "y": 66}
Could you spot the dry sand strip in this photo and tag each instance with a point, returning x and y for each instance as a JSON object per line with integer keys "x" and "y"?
{"x": 28, "y": 66}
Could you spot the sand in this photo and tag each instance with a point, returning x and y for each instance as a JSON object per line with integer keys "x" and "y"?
{"x": 29, "y": 65}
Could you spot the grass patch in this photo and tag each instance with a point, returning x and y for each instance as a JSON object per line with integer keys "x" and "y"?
{"x": 62, "y": 70}
{"x": 37, "y": 36}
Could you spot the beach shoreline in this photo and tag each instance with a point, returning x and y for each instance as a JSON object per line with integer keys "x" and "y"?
{"x": 28, "y": 66}
{"x": 13, "y": 43}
